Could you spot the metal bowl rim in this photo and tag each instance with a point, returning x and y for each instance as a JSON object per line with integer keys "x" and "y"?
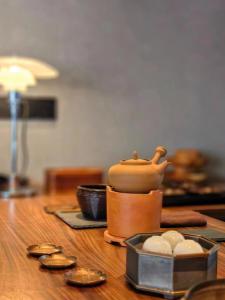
{"x": 202, "y": 284}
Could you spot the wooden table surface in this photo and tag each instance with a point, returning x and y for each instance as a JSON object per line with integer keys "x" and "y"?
{"x": 23, "y": 222}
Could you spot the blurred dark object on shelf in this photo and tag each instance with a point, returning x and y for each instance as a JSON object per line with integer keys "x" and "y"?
{"x": 189, "y": 158}
{"x": 177, "y": 189}
{"x": 22, "y": 181}
{"x": 188, "y": 176}
{"x": 188, "y": 166}
{"x": 3, "y": 181}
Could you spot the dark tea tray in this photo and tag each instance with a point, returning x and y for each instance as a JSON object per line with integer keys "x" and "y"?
{"x": 76, "y": 220}
{"x": 209, "y": 233}
{"x": 194, "y": 199}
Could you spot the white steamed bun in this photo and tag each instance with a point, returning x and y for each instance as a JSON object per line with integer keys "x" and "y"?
{"x": 188, "y": 247}
{"x": 157, "y": 244}
{"x": 173, "y": 237}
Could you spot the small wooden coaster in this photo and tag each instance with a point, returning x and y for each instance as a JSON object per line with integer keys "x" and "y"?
{"x": 76, "y": 220}
{"x": 114, "y": 239}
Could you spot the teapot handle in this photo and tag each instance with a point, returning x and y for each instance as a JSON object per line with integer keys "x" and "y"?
{"x": 160, "y": 151}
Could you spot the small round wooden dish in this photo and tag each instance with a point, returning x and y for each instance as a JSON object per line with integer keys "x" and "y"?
{"x": 57, "y": 261}
{"x": 85, "y": 277}
{"x": 43, "y": 249}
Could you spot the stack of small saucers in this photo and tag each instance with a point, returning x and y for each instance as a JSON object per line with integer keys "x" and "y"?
{"x": 52, "y": 257}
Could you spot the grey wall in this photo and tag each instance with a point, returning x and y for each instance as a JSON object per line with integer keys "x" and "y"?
{"x": 134, "y": 74}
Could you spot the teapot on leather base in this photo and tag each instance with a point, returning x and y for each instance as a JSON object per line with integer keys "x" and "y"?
{"x": 128, "y": 214}
{"x": 134, "y": 201}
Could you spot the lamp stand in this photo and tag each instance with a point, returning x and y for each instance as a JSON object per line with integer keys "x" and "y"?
{"x": 14, "y": 190}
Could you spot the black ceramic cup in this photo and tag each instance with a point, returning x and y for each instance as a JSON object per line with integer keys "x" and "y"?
{"x": 92, "y": 201}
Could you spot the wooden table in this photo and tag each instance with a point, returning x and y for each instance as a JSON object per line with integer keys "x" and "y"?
{"x": 23, "y": 222}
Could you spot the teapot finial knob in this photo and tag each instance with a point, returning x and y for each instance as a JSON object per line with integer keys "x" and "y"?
{"x": 135, "y": 155}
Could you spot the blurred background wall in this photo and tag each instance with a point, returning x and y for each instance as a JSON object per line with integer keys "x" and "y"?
{"x": 134, "y": 74}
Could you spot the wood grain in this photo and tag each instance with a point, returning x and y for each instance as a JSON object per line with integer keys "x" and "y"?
{"x": 23, "y": 222}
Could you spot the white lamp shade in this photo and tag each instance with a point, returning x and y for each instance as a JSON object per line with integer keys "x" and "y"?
{"x": 15, "y": 78}
{"x": 40, "y": 70}
{"x": 17, "y": 73}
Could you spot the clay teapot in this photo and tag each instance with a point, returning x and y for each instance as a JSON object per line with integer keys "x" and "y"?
{"x": 138, "y": 175}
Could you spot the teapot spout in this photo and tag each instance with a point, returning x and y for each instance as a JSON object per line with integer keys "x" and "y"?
{"x": 162, "y": 167}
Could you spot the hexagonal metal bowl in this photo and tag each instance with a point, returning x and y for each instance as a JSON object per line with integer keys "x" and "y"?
{"x": 165, "y": 274}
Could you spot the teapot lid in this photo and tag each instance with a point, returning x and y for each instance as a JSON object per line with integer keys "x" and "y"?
{"x": 135, "y": 160}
